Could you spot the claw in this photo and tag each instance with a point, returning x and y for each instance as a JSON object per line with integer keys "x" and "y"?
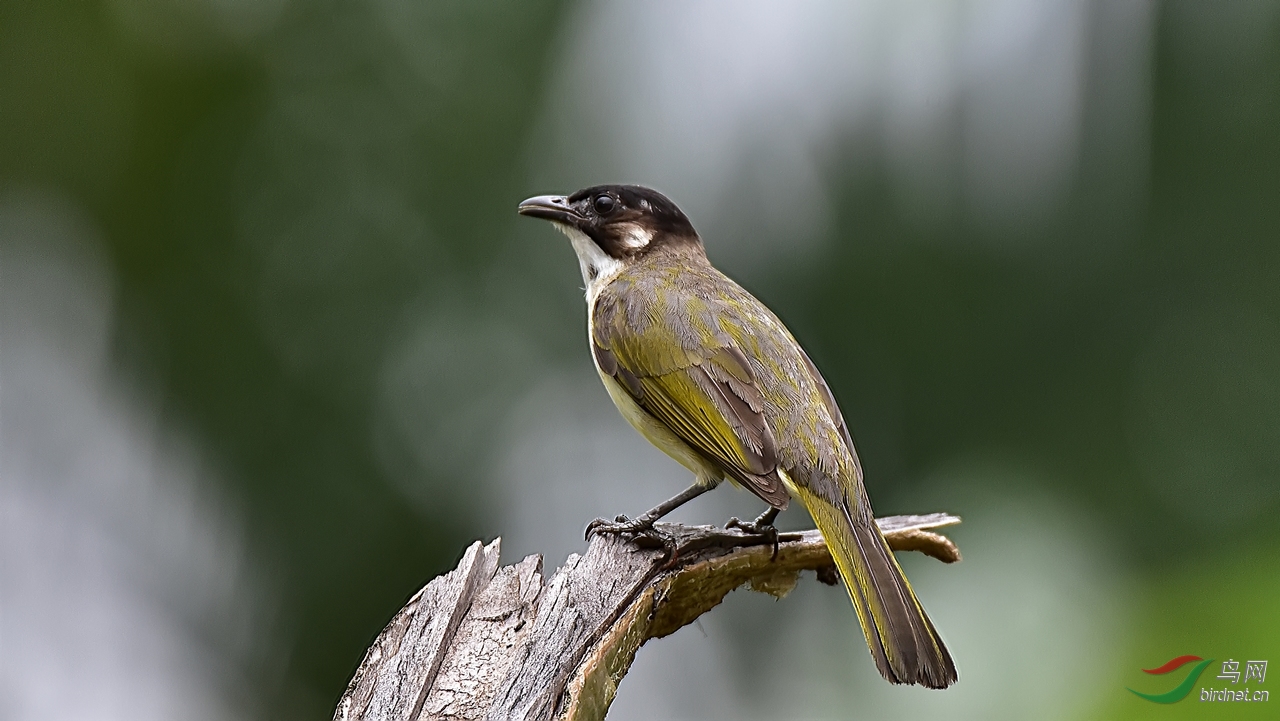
{"x": 756, "y": 528}
{"x": 642, "y": 533}
{"x": 621, "y": 525}
{"x": 653, "y": 538}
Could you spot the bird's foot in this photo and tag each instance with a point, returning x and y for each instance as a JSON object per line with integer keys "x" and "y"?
{"x": 762, "y": 527}
{"x": 619, "y": 526}
{"x": 639, "y": 531}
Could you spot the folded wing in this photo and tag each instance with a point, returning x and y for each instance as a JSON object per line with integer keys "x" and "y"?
{"x": 707, "y": 395}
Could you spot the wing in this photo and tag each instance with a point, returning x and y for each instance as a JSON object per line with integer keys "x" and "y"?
{"x": 705, "y": 393}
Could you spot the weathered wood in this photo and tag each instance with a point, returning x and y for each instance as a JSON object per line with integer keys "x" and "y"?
{"x": 483, "y": 642}
{"x": 403, "y": 663}
{"x": 497, "y": 624}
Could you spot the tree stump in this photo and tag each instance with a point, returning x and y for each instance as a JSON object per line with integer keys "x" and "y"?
{"x": 490, "y": 642}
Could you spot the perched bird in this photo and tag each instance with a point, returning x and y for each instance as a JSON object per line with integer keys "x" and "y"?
{"x": 709, "y": 375}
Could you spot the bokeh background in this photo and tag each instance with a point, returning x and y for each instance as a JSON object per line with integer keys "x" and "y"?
{"x": 275, "y": 346}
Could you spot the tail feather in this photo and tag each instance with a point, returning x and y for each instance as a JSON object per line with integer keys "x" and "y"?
{"x": 902, "y": 639}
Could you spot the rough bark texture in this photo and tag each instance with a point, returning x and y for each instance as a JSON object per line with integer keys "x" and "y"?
{"x": 490, "y": 642}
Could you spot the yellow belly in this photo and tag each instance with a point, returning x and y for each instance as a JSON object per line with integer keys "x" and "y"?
{"x": 706, "y": 472}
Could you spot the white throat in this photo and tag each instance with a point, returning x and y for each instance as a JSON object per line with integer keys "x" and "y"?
{"x": 598, "y": 267}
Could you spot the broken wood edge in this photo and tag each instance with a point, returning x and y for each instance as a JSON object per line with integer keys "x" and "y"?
{"x": 454, "y": 591}
{"x": 564, "y": 641}
{"x": 677, "y": 598}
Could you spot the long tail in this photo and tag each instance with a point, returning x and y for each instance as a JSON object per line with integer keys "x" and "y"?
{"x": 902, "y": 639}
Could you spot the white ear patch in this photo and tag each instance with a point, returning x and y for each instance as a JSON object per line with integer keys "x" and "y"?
{"x": 637, "y": 237}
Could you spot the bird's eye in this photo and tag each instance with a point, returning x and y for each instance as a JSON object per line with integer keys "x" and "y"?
{"x": 605, "y": 204}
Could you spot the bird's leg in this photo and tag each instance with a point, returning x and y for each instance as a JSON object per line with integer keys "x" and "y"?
{"x": 644, "y": 523}
{"x": 762, "y": 526}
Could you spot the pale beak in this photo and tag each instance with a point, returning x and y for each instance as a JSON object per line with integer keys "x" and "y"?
{"x": 555, "y": 208}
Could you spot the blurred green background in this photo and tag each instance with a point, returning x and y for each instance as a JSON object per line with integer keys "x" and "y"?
{"x": 1033, "y": 248}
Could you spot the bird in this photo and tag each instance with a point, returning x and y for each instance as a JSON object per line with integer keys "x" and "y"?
{"x": 708, "y": 374}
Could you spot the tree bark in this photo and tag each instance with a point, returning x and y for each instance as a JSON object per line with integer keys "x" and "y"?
{"x": 490, "y": 642}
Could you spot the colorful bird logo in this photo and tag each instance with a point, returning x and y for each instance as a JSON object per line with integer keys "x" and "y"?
{"x": 1180, "y": 691}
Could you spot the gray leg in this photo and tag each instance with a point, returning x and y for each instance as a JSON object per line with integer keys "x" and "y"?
{"x": 645, "y": 522}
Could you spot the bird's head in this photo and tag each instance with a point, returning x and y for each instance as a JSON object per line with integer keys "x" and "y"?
{"x": 612, "y": 225}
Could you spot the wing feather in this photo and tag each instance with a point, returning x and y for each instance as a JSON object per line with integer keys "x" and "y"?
{"x": 707, "y": 396}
